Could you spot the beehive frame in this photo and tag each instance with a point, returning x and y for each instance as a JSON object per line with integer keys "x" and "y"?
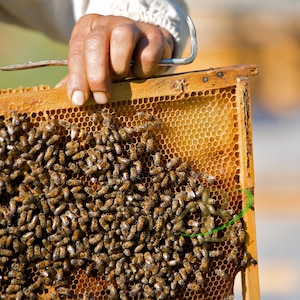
{"x": 206, "y": 121}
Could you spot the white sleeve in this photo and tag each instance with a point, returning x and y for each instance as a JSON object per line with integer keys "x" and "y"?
{"x": 168, "y": 14}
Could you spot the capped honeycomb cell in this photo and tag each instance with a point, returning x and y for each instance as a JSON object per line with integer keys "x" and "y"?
{"x": 146, "y": 197}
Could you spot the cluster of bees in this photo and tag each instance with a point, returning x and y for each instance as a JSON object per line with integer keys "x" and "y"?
{"x": 105, "y": 201}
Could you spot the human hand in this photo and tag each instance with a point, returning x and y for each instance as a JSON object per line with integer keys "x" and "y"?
{"x": 102, "y": 48}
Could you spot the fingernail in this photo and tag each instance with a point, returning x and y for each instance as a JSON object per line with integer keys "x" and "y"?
{"x": 100, "y": 97}
{"x": 78, "y": 98}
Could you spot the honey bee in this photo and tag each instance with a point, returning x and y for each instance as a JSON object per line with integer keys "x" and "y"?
{"x": 181, "y": 176}
{"x": 27, "y": 236}
{"x": 38, "y": 231}
{"x": 133, "y": 173}
{"x": 62, "y": 252}
{"x": 29, "y": 253}
{"x": 133, "y": 153}
{"x": 148, "y": 292}
{"x": 79, "y": 155}
{"x": 47, "y": 245}
{"x": 139, "y": 167}
{"x": 29, "y": 215}
{"x": 94, "y": 225}
{"x": 37, "y": 251}
{"x": 183, "y": 273}
{"x": 49, "y": 152}
{"x": 53, "y": 140}
{"x": 42, "y": 264}
{"x": 77, "y": 262}
{"x": 33, "y": 222}
{"x": 22, "y": 218}
{"x": 13, "y": 288}
{"x": 199, "y": 277}
{"x": 116, "y": 256}
{"x": 209, "y": 223}
{"x": 209, "y": 178}
{"x": 19, "y": 295}
{"x": 58, "y": 211}
{"x": 246, "y": 259}
{"x": 139, "y": 248}
{"x": 117, "y": 148}
{"x": 221, "y": 273}
{"x": 193, "y": 223}
{"x": 95, "y": 117}
{"x": 124, "y": 133}
{"x": 6, "y": 252}
{"x": 59, "y": 274}
{"x": 193, "y": 287}
{"x": 140, "y": 223}
{"x": 55, "y": 237}
{"x": 74, "y": 182}
{"x": 79, "y": 197}
{"x": 179, "y": 225}
{"x": 36, "y": 149}
{"x": 211, "y": 209}
{"x": 64, "y": 291}
{"x": 135, "y": 290}
{"x": 241, "y": 235}
{"x": 140, "y": 187}
{"x": 165, "y": 182}
{"x": 172, "y": 262}
{"x": 90, "y": 171}
{"x": 215, "y": 253}
{"x": 71, "y": 250}
{"x": 15, "y": 174}
{"x": 204, "y": 266}
{"x": 187, "y": 266}
{"x": 159, "y": 223}
{"x": 172, "y": 163}
{"x": 31, "y": 137}
{"x": 56, "y": 254}
{"x": 148, "y": 258}
{"x": 83, "y": 225}
{"x": 98, "y": 247}
{"x": 3, "y": 241}
{"x": 232, "y": 256}
{"x": 119, "y": 266}
{"x": 179, "y": 279}
{"x": 74, "y": 131}
{"x": 29, "y": 179}
{"x": 150, "y": 144}
{"x": 157, "y": 179}
{"x": 17, "y": 281}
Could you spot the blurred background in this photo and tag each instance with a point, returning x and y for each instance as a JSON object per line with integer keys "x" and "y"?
{"x": 231, "y": 32}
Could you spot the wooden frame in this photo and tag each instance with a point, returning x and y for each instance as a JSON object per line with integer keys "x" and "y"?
{"x": 177, "y": 86}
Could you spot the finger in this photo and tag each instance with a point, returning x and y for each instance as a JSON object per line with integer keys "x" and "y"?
{"x": 96, "y": 54}
{"x": 168, "y": 49}
{"x": 167, "y": 53}
{"x": 122, "y": 43}
{"x": 77, "y": 85}
{"x": 148, "y": 53}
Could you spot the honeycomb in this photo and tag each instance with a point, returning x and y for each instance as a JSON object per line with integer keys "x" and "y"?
{"x": 141, "y": 198}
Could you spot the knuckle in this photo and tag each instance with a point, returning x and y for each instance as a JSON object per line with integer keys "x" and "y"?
{"x": 155, "y": 34}
{"x": 124, "y": 32}
{"x": 96, "y": 82}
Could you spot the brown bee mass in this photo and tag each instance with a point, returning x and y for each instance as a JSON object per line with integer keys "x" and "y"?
{"x": 105, "y": 203}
